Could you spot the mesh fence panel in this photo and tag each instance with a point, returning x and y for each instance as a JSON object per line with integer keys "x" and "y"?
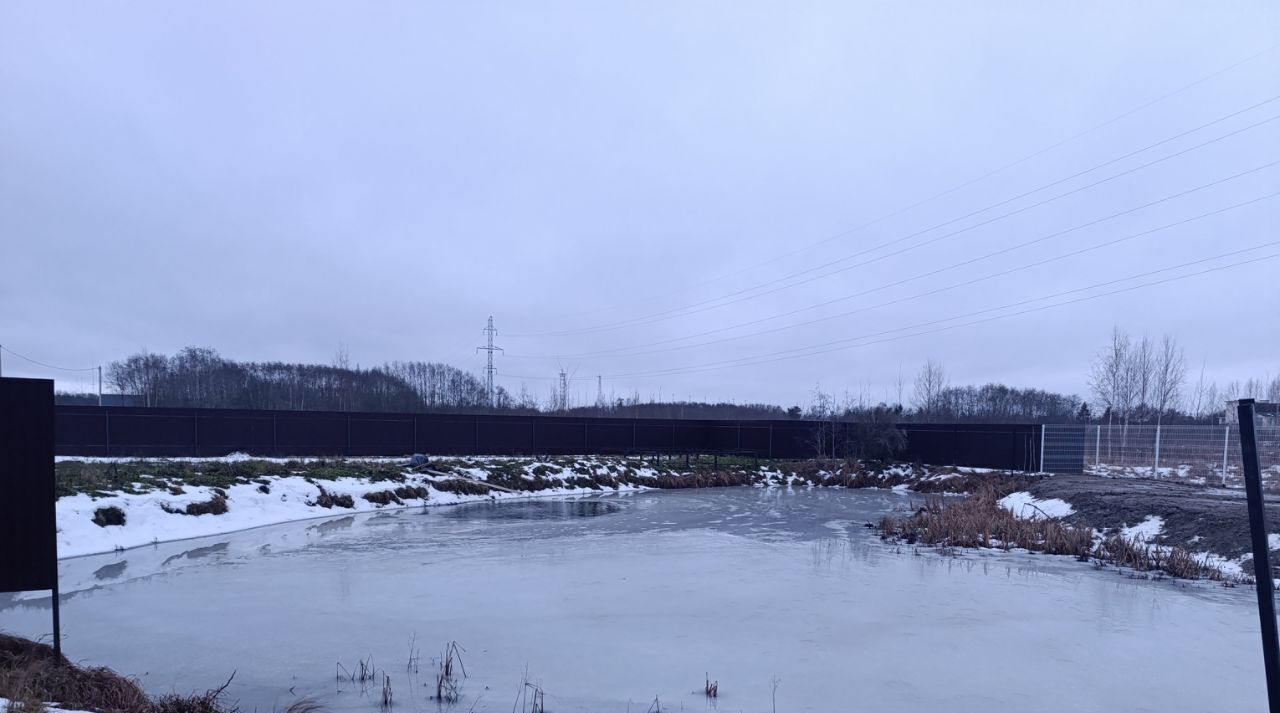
{"x": 1208, "y": 455}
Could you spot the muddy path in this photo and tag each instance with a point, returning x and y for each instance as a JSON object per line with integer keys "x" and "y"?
{"x": 1201, "y": 518}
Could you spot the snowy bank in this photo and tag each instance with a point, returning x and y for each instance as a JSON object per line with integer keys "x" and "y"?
{"x": 145, "y": 502}
{"x": 158, "y": 516}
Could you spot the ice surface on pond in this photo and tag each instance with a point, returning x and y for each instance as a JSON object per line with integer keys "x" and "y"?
{"x": 614, "y": 600}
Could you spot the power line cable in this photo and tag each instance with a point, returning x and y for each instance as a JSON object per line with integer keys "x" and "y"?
{"x": 630, "y": 351}
{"x": 742, "y": 294}
{"x": 823, "y": 347}
{"x": 47, "y": 366}
{"x": 1001, "y": 169}
{"x": 955, "y": 265}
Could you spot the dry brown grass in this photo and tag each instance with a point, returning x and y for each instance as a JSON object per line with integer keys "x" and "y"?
{"x": 980, "y": 521}
{"x": 32, "y": 675}
{"x": 1002, "y": 483}
{"x": 327, "y": 499}
{"x": 211, "y": 701}
{"x": 461, "y": 486}
{"x": 216, "y": 505}
{"x": 110, "y": 515}
{"x": 719, "y": 479}
{"x": 398, "y": 496}
{"x": 383, "y": 497}
{"x": 1143, "y": 557}
{"x": 412, "y": 492}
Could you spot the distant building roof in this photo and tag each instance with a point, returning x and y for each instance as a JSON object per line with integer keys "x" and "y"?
{"x": 1268, "y": 411}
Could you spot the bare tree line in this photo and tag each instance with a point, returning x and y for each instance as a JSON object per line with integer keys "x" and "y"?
{"x": 200, "y": 377}
{"x": 1131, "y": 380}
{"x": 1139, "y": 380}
{"x": 1143, "y": 381}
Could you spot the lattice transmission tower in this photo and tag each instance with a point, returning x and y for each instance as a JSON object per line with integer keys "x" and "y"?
{"x": 489, "y": 369}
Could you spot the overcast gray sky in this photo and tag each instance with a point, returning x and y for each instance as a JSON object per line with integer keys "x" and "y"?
{"x": 626, "y": 187}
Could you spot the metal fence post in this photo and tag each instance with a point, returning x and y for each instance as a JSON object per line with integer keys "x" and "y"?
{"x": 1226, "y": 444}
{"x": 1043, "y": 428}
{"x": 1155, "y": 469}
{"x": 1261, "y": 557}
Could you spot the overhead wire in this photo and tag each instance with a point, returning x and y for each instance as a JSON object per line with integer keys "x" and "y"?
{"x": 1001, "y": 169}
{"x": 742, "y": 295}
{"x": 822, "y": 348}
{"x": 43, "y": 364}
{"x": 645, "y": 350}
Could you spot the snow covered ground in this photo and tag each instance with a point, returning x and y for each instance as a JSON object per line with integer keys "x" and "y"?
{"x": 288, "y": 499}
{"x": 1198, "y": 474}
{"x": 156, "y": 514}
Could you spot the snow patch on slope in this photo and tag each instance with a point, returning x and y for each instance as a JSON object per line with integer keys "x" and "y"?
{"x": 1023, "y": 505}
{"x": 1145, "y": 531}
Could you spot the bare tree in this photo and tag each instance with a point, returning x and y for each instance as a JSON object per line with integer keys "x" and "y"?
{"x": 1109, "y": 375}
{"x": 1197, "y": 401}
{"x": 1168, "y": 372}
{"x": 822, "y": 409}
{"x": 930, "y": 384}
{"x": 900, "y": 385}
{"x": 1168, "y": 375}
{"x": 1142, "y": 370}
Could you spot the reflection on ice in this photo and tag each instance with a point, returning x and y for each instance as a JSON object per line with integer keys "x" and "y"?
{"x": 533, "y": 510}
{"x": 110, "y": 571}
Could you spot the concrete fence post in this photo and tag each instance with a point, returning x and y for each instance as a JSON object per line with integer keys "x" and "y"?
{"x": 1226, "y": 445}
{"x": 1155, "y": 469}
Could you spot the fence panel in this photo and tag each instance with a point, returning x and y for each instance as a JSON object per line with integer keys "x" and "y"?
{"x": 1206, "y": 455}
{"x": 131, "y": 431}
{"x": 1063, "y": 448}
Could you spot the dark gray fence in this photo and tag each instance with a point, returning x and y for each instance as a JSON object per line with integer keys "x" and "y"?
{"x": 29, "y": 557}
{"x": 119, "y": 431}
{"x": 123, "y": 431}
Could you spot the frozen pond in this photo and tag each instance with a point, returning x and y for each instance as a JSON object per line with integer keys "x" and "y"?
{"x": 612, "y": 601}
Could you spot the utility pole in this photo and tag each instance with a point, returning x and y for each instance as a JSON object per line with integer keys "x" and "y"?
{"x": 99, "y": 386}
{"x": 599, "y": 390}
{"x": 489, "y": 370}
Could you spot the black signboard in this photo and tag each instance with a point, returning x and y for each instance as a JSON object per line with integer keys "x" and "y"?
{"x": 28, "y": 532}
